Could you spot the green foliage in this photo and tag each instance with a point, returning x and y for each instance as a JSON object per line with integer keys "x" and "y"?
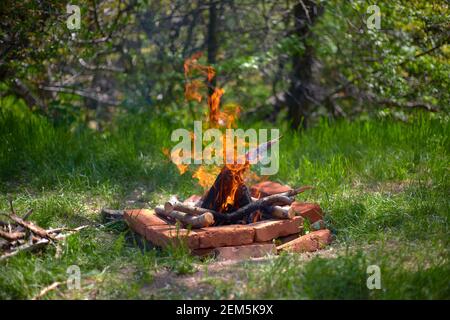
{"x": 383, "y": 185}
{"x": 128, "y": 57}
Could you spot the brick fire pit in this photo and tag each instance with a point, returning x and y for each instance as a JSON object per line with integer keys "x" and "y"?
{"x": 238, "y": 241}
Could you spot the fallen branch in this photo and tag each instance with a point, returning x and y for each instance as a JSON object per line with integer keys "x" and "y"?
{"x": 46, "y": 290}
{"x": 30, "y": 226}
{"x": 281, "y": 200}
{"x": 199, "y": 221}
{"x": 12, "y": 236}
{"x": 259, "y": 204}
{"x": 40, "y": 243}
{"x": 172, "y": 205}
{"x": 284, "y": 198}
{"x": 409, "y": 104}
{"x": 26, "y": 247}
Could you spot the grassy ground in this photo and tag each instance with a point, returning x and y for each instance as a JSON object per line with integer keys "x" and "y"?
{"x": 384, "y": 186}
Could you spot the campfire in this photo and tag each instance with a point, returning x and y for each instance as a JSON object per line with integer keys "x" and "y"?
{"x": 228, "y": 200}
{"x": 214, "y": 209}
{"x": 228, "y": 213}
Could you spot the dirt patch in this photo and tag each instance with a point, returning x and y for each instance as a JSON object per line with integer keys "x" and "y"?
{"x": 392, "y": 187}
{"x": 167, "y": 284}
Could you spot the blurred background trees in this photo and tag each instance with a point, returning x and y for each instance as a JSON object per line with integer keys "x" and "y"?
{"x": 281, "y": 60}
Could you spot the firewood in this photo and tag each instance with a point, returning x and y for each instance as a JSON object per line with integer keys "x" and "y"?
{"x": 27, "y": 215}
{"x": 12, "y": 236}
{"x": 200, "y": 221}
{"x": 280, "y": 212}
{"x": 291, "y": 193}
{"x": 220, "y": 190}
{"x": 70, "y": 230}
{"x": 46, "y": 290}
{"x": 282, "y": 200}
{"x": 11, "y": 205}
{"x": 170, "y": 206}
{"x": 257, "y": 205}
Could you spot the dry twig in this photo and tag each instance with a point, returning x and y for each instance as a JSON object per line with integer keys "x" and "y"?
{"x": 46, "y": 290}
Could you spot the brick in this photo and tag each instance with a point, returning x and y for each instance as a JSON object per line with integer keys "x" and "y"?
{"x": 310, "y": 211}
{"x": 310, "y": 242}
{"x": 270, "y": 229}
{"x": 267, "y": 188}
{"x": 288, "y": 238}
{"x": 222, "y": 236}
{"x": 162, "y": 236}
{"x": 157, "y": 230}
{"x": 139, "y": 219}
{"x": 244, "y": 252}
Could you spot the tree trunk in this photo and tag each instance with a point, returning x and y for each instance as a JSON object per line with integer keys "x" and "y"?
{"x": 300, "y": 96}
{"x": 212, "y": 42}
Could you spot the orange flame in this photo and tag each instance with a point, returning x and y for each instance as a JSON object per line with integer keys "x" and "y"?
{"x": 214, "y": 106}
{"x": 206, "y": 175}
{"x": 217, "y": 118}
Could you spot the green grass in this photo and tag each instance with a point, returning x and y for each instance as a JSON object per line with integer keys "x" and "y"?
{"x": 383, "y": 184}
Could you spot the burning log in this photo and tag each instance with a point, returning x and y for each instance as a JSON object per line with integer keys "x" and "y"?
{"x": 23, "y": 235}
{"x": 205, "y": 219}
{"x": 46, "y": 290}
{"x": 228, "y": 185}
{"x": 268, "y": 204}
{"x": 260, "y": 204}
{"x": 280, "y": 212}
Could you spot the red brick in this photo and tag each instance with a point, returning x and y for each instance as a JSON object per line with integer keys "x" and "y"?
{"x": 291, "y": 237}
{"x": 310, "y": 242}
{"x": 231, "y": 235}
{"x": 245, "y": 252}
{"x": 164, "y": 235}
{"x": 267, "y": 188}
{"x": 310, "y": 211}
{"x": 139, "y": 219}
{"x": 270, "y": 229}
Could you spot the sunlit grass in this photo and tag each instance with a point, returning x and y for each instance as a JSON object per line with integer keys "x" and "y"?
{"x": 383, "y": 184}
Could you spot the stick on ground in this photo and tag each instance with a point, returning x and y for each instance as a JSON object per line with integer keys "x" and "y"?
{"x": 46, "y": 290}
{"x": 30, "y": 226}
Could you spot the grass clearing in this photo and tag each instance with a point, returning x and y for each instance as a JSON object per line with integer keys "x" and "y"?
{"x": 383, "y": 184}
